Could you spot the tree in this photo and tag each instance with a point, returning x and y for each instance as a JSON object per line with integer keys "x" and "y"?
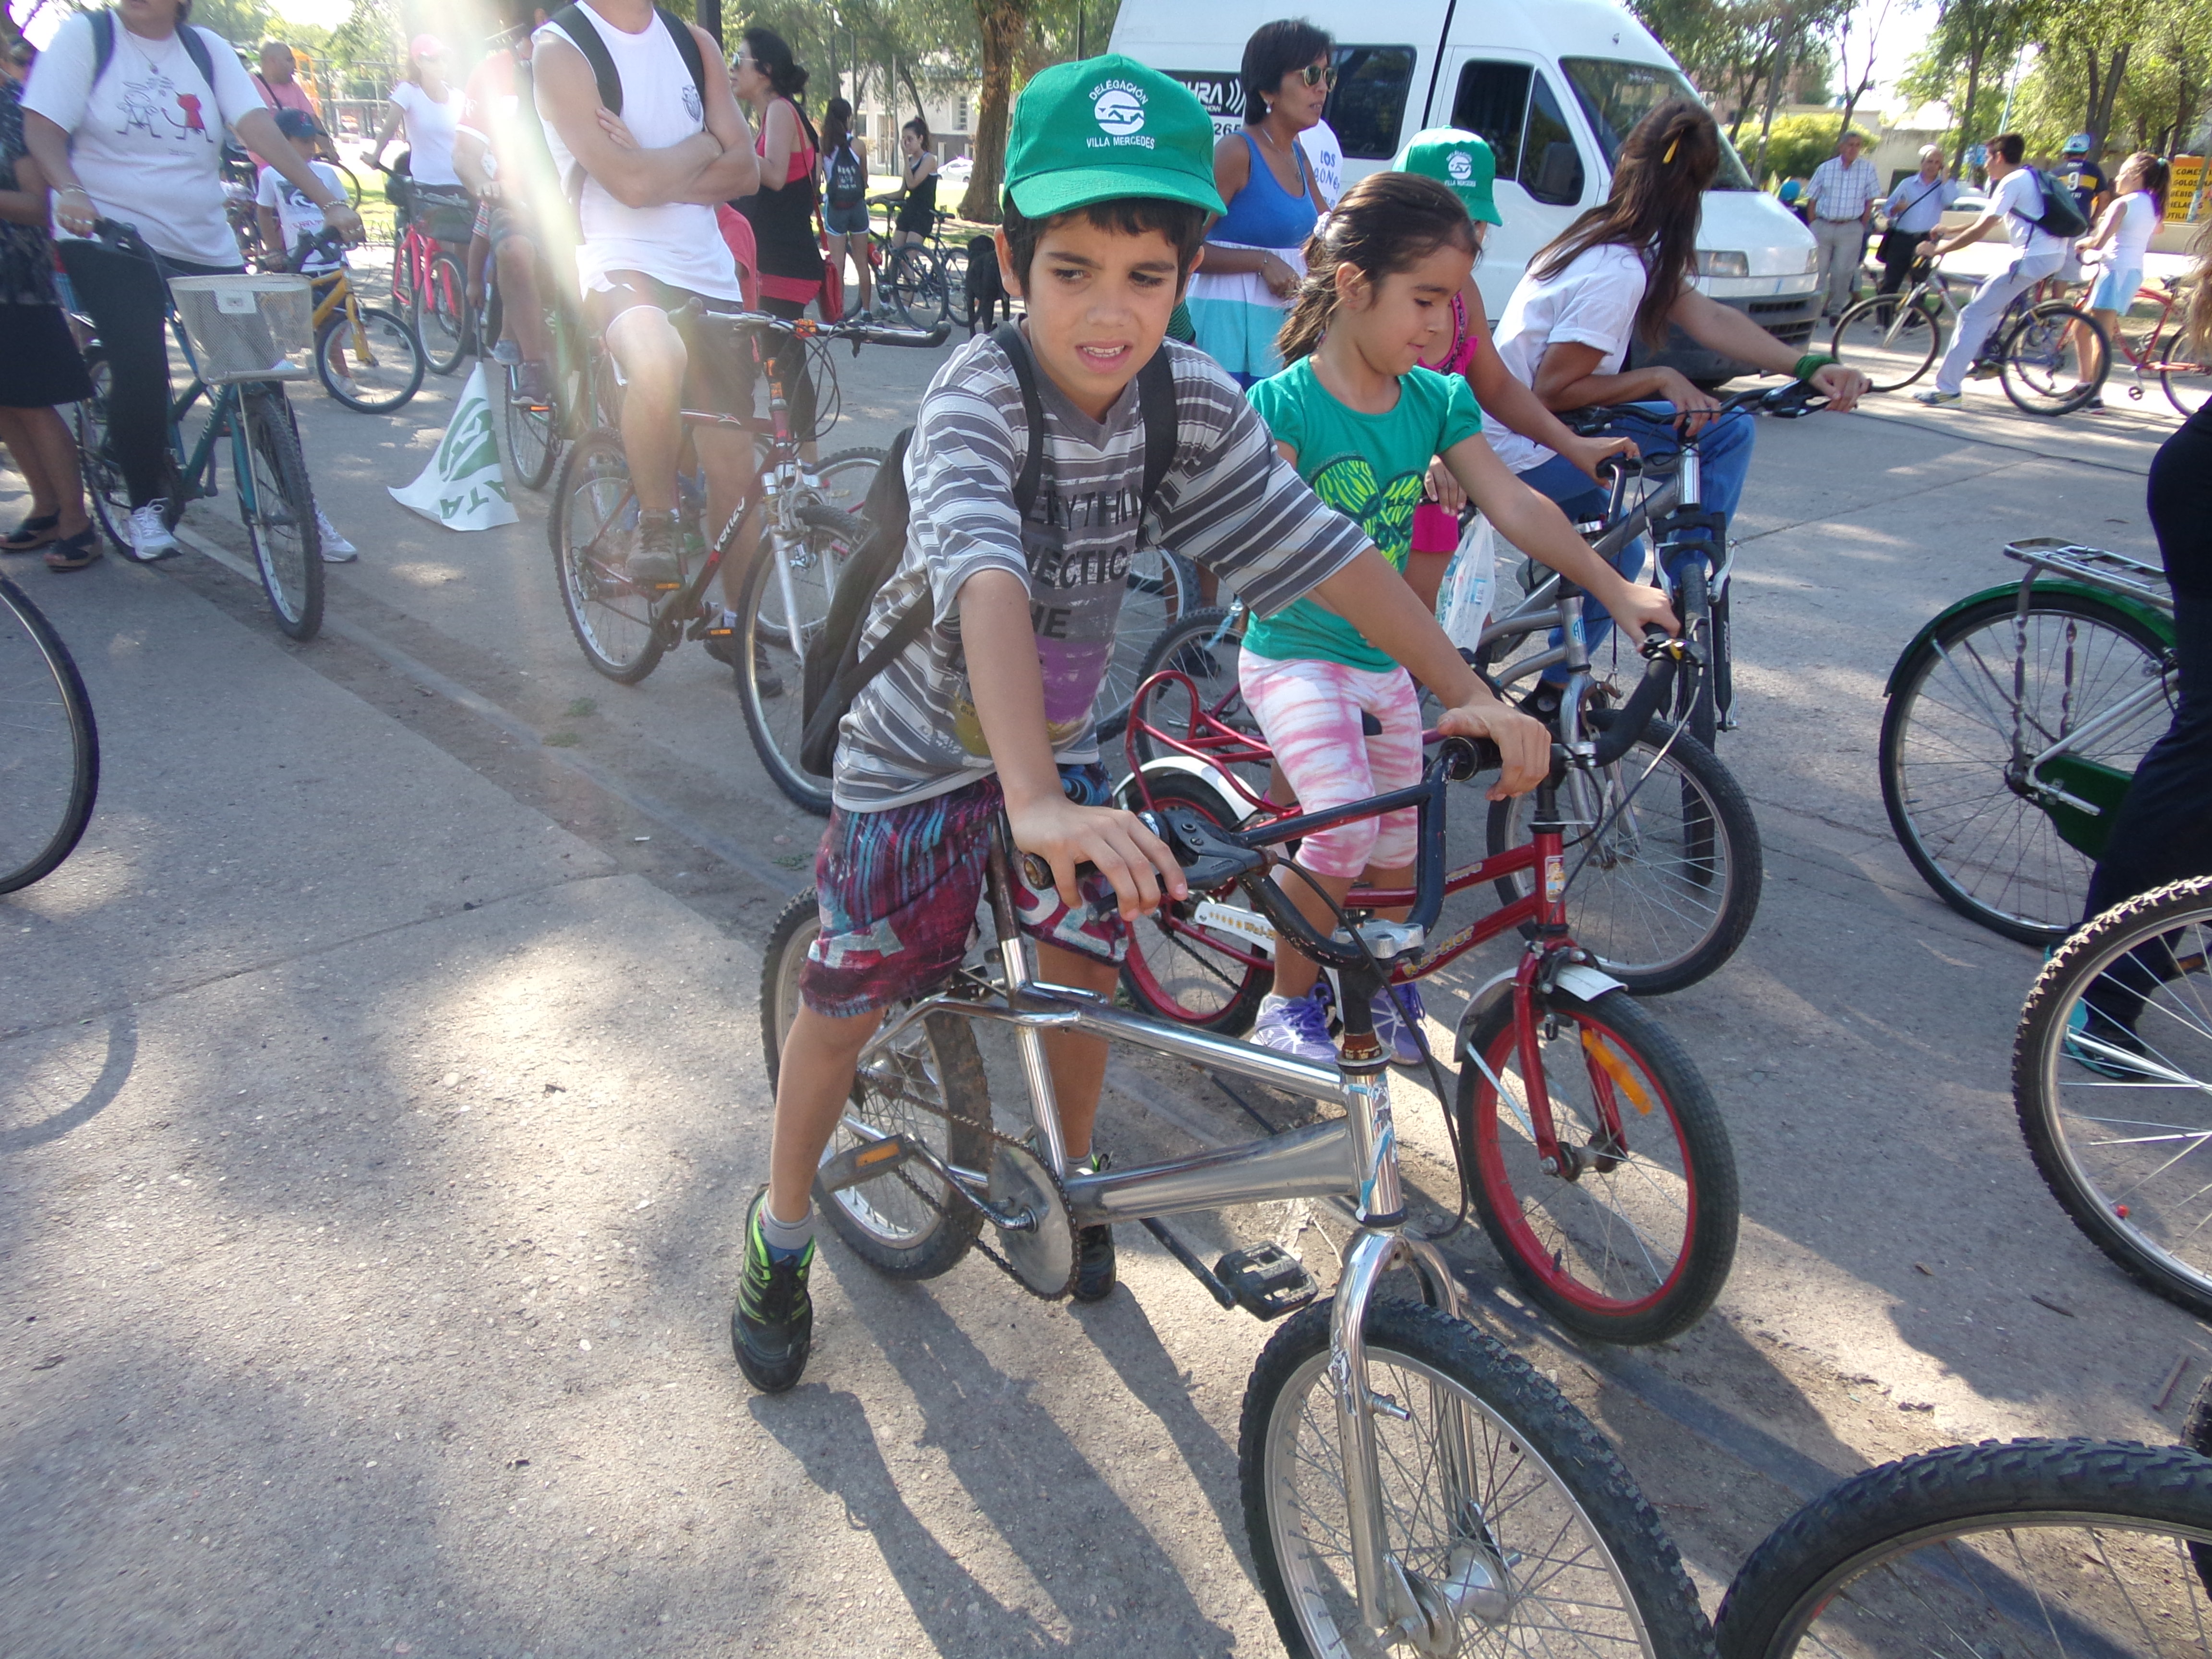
{"x": 1801, "y": 142}
{"x": 1968, "y": 52}
{"x": 1004, "y": 25}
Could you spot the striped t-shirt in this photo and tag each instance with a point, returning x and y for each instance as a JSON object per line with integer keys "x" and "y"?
{"x": 1228, "y": 503}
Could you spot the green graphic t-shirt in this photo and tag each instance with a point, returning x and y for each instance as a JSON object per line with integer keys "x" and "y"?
{"x": 1368, "y": 467}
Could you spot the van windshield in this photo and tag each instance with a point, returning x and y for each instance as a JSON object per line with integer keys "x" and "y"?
{"x": 1616, "y": 95}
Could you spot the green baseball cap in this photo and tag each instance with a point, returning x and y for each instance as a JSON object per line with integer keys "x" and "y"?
{"x": 1458, "y": 158}
{"x": 1105, "y": 128}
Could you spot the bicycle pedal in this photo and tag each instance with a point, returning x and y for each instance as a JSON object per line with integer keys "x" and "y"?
{"x": 1266, "y": 1281}
{"x": 865, "y": 1162}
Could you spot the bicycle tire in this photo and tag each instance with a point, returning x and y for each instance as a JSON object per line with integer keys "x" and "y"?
{"x": 1160, "y": 587}
{"x": 49, "y": 744}
{"x": 1174, "y": 975}
{"x": 915, "y": 284}
{"x": 287, "y": 541}
{"x": 1668, "y": 894}
{"x": 443, "y": 323}
{"x": 1552, "y": 1512}
{"x": 891, "y": 1222}
{"x": 1649, "y": 1267}
{"x": 1844, "y": 1559}
{"x": 392, "y": 339}
{"x": 2031, "y": 365}
{"x": 952, "y": 261}
{"x": 770, "y": 675}
{"x": 593, "y": 529}
{"x": 2184, "y": 371}
{"x": 2120, "y": 1141}
{"x": 843, "y": 479}
{"x": 1694, "y": 686}
{"x": 1890, "y": 340}
{"x": 110, "y": 498}
{"x": 1945, "y": 762}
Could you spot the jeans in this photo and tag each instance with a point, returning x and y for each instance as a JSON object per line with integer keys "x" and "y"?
{"x": 1984, "y": 310}
{"x": 1724, "y": 453}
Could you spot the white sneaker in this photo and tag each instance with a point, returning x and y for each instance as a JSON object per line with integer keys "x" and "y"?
{"x": 150, "y": 537}
{"x": 337, "y": 549}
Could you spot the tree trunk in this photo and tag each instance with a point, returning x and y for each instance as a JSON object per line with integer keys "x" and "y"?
{"x": 1003, "y": 24}
{"x": 1966, "y": 119}
{"x": 1781, "y": 68}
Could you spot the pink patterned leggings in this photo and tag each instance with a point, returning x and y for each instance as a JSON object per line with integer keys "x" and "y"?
{"x": 1309, "y": 711}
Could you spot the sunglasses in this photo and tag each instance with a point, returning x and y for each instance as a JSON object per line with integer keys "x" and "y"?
{"x": 1318, "y": 75}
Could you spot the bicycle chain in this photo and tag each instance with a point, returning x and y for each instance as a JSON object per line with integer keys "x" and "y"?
{"x": 990, "y": 1252}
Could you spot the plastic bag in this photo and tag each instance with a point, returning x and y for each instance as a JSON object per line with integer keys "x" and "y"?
{"x": 1470, "y": 585}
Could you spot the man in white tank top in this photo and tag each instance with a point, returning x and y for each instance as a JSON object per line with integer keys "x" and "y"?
{"x": 647, "y": 243}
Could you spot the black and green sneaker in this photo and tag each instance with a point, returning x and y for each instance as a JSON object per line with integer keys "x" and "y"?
{"x": 772, "y": 1328}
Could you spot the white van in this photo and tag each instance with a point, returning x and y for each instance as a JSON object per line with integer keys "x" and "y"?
{"x": 1554, "y": 87}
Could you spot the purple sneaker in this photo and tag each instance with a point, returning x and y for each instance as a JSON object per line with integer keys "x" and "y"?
{"x": 1395, "y": 1030}
{"x": 1297, "y": 1026}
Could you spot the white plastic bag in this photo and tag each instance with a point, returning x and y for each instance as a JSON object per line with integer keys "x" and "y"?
{"x": 464, "y": 487}
{"x": 1470, "y": 586}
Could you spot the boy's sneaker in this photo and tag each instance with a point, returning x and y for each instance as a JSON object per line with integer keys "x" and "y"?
{"x": 1938, "y": 399}
{"x": 1398, "y": 1012}
{"x": 150, "y": 537}
{"x": 1296, "y": 1025}
{"x": 772, "y": 1326}
{"x": 654, "y": 564}
{"x": 337, "y": 549}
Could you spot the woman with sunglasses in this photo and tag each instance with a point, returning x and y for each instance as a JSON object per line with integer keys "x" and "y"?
{"x": 1252, "y": 265}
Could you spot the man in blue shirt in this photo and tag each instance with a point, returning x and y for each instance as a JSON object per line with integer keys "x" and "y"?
{"x": 1915, "y": 210}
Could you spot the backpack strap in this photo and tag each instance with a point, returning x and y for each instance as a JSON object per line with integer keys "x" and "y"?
{"x": 103, "y": 46}
{"x": 585, "y": 36}
{"x": 687, "y": 47}
{"x": 1007, "y": 336}
{"x": 1155, "y": 396}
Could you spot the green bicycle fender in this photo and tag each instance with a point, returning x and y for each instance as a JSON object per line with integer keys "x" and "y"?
{"x": 2148, "y": 615}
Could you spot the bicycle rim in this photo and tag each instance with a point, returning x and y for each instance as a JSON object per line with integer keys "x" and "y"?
{"x": 2112, "y": 1079}
{"x": 533, "y": 433}
{"x": 1892, "y": 342}
{"x": 1634, "y": 1243}
{"x": 770, "y": 667}
{"x": 594, "y": 532}
{"x": 1491, "y": 1481}
{"x": 2043, "y": 366}
{"x": 2026, "y": 1549}
{"x": 49, "y": 746}
{"x": 843, "y": 479}
{"x": 369, "y": 360}
{"x": 2186, "y": 371}
{"x": 443, "y": 321}
{"x": 1990, "y": 852}
{"x": 278, "y": 507}
{"x": 103, "y": 480}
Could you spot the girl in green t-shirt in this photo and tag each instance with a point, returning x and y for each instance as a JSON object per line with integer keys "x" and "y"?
{"x": 1360, "y": 418}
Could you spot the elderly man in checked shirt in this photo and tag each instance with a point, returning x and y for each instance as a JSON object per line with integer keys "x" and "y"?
{"x": 1842, "y": 193}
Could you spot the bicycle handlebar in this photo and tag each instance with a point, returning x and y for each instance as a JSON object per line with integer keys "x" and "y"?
{"x": 1786, "y": 402}
{"x": 860, "y": 334}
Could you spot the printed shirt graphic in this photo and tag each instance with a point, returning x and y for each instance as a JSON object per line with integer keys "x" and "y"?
{"x": 146, "y": 141}
{"x": 1228, "y": 503}
{"x": 296, "y": 212}
{"x": 1370, "y": 468}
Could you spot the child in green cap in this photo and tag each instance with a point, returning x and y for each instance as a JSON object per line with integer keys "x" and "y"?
{"x": 1109, "y": 189}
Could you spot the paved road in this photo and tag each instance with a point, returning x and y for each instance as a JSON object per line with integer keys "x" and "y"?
{"x": 380, "y": 1084}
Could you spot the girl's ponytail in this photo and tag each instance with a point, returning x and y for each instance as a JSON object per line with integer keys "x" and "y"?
{"x": 1387, "y": 223}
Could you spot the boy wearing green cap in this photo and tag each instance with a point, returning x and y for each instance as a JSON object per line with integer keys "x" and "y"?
{"x": 1109, "y": 190}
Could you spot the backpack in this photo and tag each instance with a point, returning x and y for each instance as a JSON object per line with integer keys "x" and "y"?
{"x": 585, "y": 36}
{"x": 834, "y": 670}
{"x": 848, "y": 184}
{"x": 103, "y": 47}
{"x": 2062, "y": 212}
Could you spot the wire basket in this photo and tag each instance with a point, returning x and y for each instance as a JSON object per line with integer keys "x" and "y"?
{"x": 248, "y": 328}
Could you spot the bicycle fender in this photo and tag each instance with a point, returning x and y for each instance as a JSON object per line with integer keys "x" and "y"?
{"x": 2149, "y": 614}
{"x": 1126, "y": 795}
{"x": 1576, "y": 978}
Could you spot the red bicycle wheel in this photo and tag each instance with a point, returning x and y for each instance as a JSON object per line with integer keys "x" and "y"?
{"x": 1200, "y": 963}
{"x": 1630, "y": 1242}
{"x": 443, "y": 325}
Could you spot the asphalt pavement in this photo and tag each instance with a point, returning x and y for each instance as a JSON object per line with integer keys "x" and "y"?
{"x": 380, "y": 1087}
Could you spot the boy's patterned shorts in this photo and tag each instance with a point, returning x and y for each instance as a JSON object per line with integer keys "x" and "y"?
{"x": 898, "y": 890}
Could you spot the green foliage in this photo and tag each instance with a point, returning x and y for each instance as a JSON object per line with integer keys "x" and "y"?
{"x": 1801, "y": 142}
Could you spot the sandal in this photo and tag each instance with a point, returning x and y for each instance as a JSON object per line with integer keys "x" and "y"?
{"x": 75, "y": 552}
{"x": 33, "y": 534}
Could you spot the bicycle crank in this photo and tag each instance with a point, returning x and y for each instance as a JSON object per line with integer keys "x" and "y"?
{"x": 1036, "y": 1230}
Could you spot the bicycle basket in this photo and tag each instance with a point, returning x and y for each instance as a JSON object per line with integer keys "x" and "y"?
{"x": 248, "y": 328}
{"x": 443, "y": 218}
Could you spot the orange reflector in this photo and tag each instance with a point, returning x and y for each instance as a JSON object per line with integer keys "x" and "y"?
{"x": 877, "y": 1153}
{"x": 1616, "y": 1068}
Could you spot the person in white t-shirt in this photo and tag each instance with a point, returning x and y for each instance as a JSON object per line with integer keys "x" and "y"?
{"x": 2123, "y": 233}
{"x": 2017, "y": 203}
{"x": 1326, "y": 151}
{"x": 139, "y": 140}
{"x": 426, "y": 106}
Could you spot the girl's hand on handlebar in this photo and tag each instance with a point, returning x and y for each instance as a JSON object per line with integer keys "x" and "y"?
{"x": 1136, "y": 861}
{"x": 1637, "y": 607}
{"x": 1444, "y": 488}
{"x": 1525, "y": 744}
{"x": 1843, "y": 386}
{"x": 1692, "y": 405}
{"x": 1588, "y": 454}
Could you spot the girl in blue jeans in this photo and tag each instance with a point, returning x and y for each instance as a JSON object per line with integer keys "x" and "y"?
{"x": 1620, "y": 275}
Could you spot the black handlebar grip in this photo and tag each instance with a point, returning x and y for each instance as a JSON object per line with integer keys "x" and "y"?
{"x": 1635, "y": 714}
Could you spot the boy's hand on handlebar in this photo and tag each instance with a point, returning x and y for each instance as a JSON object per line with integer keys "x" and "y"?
{"x": 1843, "y": 386}
{"x": 1136, "y": 861}
{"x": 1637, "y": 607}
{"x": 1525, "y": 744}
{"x": 1588, "y": 454}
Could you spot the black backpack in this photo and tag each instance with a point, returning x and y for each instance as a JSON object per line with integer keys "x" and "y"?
{"x": 849, "y": 184}
{"x": 577, "y": 24}
{"x": 836, "y": 669}
{"x": 2062, "y": 211}
{"x": 103, "y": 48}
